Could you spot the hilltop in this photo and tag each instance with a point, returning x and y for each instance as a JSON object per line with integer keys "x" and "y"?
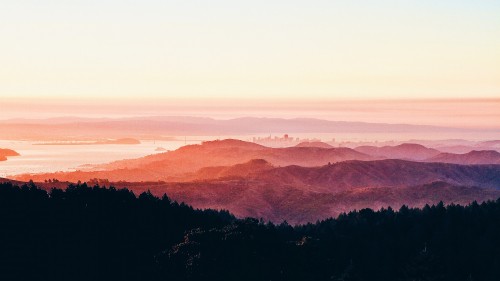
{"x": 473, "y": 157}
{"x": 178, "y": 165}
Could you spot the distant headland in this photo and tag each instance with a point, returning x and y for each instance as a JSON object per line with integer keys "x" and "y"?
{"x": 4, "y": 153}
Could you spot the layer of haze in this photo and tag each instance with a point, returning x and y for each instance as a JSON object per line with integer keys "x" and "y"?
{"x": 343, "y": 60}
{"x": 459, "y": 113}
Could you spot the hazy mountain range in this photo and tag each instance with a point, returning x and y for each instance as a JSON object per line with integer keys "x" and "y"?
{"x": 303, "y": 183}
{"x": 62, "y": 127}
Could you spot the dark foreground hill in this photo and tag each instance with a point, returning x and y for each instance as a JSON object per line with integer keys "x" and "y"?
{"x": 96, "y": 233}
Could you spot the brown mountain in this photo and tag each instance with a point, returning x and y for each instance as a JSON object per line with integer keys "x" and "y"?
{"x": 179, "y": 165}
{"x": 294, "y": 184}
{"x": 243, "y": 170}
{"x": 473, "y": 157}
{"x": 296, "y": 204}
{"x": 4, "y": 153}
{"x": 305, "y": 194}
{"x": 409, "y": 151}
{"x": 382, "y": 173}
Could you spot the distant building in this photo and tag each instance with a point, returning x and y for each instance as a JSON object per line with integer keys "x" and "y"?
{"x": 284, "y": 141}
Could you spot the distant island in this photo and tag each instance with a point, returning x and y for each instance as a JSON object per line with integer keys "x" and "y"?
{"x": 116, "y": 141}
{"x": 4, "y": 153}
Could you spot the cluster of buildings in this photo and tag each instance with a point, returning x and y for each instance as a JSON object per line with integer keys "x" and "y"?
{"x": 283, "y": 141}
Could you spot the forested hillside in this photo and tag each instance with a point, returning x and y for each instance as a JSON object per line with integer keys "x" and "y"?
{"x": 96, "y": 233}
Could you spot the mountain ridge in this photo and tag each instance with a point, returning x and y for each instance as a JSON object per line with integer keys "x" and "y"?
{"x": 408, "y": 151}
{"x": 472, "y": 157}
{"x": 156, "y": 126}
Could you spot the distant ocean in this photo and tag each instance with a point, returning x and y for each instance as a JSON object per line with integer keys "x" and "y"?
{"x": 52, "y": 158}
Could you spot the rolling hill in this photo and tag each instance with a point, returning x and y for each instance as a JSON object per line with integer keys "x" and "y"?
{"x": 297, "y": 184}
{"x": 178, "y": 165}
{"x": 298, "y": 194}
{"x": 473, "y": 157}
{"x": 383, "y": 173}
{"x": 296, "y": 204}
{"x": 314, "y": 144}
{"x": 407, "y": 151}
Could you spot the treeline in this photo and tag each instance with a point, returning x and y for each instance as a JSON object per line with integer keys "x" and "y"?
{"x": 85, "y": 233}
{"x": 96, "y": 233}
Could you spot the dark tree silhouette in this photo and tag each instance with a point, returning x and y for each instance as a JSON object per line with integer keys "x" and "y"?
{"x": 97, "y": 233}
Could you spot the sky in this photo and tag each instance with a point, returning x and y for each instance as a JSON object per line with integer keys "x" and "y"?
{"x": 231, "y": 52}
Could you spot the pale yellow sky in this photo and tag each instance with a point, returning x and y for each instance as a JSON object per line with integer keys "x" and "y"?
{"x": 267, "y": 50}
